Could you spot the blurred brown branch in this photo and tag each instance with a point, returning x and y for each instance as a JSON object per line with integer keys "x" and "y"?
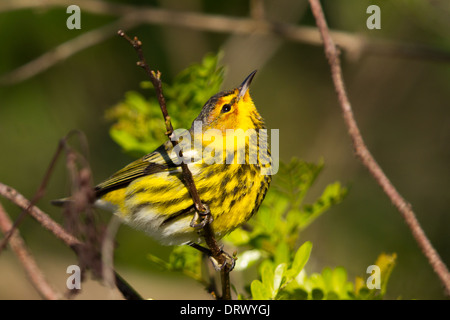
{"x": 19, "y": 248}
{"x": 132, "y": 16}
{"x": 39, "y": 193}
{"x": 363, "y": 153}
{"x": 64, "y": 51}
{"x": 48, "y": 223}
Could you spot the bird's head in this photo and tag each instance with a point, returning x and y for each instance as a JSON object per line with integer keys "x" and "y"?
{"x": 232, "y": 109}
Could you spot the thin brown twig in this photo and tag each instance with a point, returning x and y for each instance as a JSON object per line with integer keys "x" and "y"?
{"x": 32, "y": 270}
{"x": 155, "y": 78}
{"x": 108, "y": 251}
{"x": 201, "y": 210}
{"x": 132, "y": 16}
{"x": 39, "y": 193}
{"x": 48, "y": 223}
{"x": 363, "y": 153}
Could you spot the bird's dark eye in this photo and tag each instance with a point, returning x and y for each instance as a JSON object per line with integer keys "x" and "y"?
{"x": 226, "y": 107}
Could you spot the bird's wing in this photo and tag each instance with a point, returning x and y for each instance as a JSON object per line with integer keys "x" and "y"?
{"x": 157, "y": 161}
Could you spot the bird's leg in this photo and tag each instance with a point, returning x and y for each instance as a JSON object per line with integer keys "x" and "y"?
{"x": 218, "y": 266}
{"x": 204, "y": 216}
{"x": 217, "y": 256}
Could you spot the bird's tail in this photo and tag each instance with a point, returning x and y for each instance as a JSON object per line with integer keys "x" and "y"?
{"x": 100, "y": 204}
{"x": 61, "y": 202}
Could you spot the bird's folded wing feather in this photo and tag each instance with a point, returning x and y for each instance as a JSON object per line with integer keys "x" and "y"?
{"x": 157, "y": 161}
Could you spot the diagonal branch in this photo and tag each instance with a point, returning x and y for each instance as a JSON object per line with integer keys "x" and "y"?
{"x": 41, "y": 217}
{"x": 48, "y": 223}
{"x": 363, "y": 153}
{"x": 36, "y": 197}
{"x": 19, "y": 248}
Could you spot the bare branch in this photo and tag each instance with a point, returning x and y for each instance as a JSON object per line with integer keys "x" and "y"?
{"x": 108, "y": 252}
{"x": 202, "y": 211}
{"x": 18, "y": 246}
{"x": 44, "y": 219}
{"x": 39, "y": 193}
{"x": 363, "y": 153}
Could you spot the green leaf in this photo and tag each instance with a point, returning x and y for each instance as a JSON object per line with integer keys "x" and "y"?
{"x": 327, "y": 276}
{"x": 182, "y": 259}
{"x": 333, "y": 194}
{"x": 300, "y": 259}
{"x": 295, "y": 178}
{"x": 278, "y": 278}
{"x": 317, "y": 294}
{"x": 386, "y": 262}
{"x": 282, "y": 253}
{"x": 339, "y": 281}
{"x": 339, "y": 278}
{"x": 365, "y": 294}
{"x": 298, "y": 294}
{"x": 267, "y": 275}
{"x": 269, "y": 217}
{"x": 331, "y": 295}
{"x": 259, "y": 291}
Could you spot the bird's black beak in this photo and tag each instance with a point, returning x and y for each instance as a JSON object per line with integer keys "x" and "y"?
{"x": 245, "y": 85}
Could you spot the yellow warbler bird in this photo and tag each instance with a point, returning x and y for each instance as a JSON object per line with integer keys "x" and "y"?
{"x": 149, "y": 194}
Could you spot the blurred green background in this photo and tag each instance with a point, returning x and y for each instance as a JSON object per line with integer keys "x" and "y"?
{"x": 401, "y": 105}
